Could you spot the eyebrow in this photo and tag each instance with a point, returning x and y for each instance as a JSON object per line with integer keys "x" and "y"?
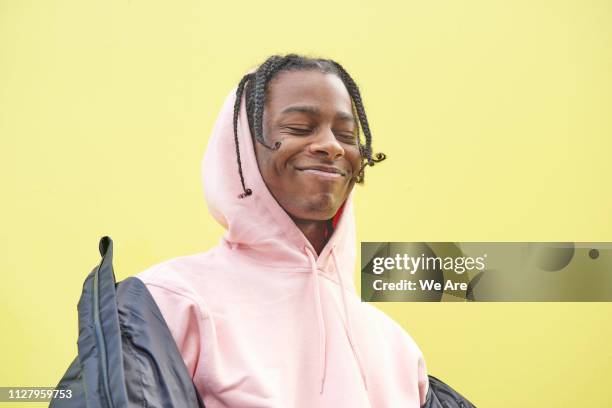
{"x": 313, "y": 110}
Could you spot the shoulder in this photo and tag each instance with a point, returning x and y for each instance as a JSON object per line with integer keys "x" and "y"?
{"x": 176, "y": 273}
{"x": 171, "y": 283}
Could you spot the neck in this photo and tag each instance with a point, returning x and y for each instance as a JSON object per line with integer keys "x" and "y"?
{"x": 315, "y": 231}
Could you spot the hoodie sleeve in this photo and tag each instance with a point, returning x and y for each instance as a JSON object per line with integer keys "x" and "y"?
{"x": 409, "y": 362}
{"x": 184, "y": 319}
{"x": 423, "y": 380}
{"x": 410, "y": 344}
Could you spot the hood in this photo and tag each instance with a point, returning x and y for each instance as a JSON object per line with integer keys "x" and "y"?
{"x": 259, "y": 228}
{"x": 258, "y": 221}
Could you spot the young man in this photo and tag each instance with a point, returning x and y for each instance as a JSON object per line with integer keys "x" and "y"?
{"x": 270, "y": 317}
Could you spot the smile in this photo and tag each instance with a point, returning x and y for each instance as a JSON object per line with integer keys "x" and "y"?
{"x": 327, "y": 172}
{"x": 323, "y": 174}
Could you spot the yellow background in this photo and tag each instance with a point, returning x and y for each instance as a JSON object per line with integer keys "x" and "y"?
{"x": 496, "y": 118}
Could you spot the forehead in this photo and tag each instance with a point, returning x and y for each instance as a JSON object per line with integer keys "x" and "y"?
{"x": 307, "y": 88}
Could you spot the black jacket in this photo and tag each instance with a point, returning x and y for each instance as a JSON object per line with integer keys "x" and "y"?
{"x": 128, "y": 358}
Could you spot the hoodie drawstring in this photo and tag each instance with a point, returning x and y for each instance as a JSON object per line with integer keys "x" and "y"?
{"x": 349, "y": 327}
{"x": 321, "y": 323}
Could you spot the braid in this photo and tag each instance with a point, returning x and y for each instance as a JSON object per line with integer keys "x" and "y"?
{"x": 366, "y": 150}
{"x": 255, "y": 86}
{"x": 264, "y": 74}
{"x": 261, "y": 78}
{"x": 247, "y": 191}
{"x": 353, "y": 90}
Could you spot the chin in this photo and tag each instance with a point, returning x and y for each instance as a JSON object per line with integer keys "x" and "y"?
{"x": 321, "y": 206}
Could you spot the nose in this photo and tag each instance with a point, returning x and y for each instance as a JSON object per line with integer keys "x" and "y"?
{"x": 326, "y": 144}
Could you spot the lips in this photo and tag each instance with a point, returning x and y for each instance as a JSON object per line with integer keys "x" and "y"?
{"x": 328, "y": 171}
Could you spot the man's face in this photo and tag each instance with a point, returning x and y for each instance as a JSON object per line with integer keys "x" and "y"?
{"x": 310, "y": 113}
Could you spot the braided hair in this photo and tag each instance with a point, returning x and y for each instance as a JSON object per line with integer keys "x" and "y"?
{"x": 255, "y": 84}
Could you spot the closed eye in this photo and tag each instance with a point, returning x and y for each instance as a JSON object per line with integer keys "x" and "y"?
{"x": 347, "y": 137}
{"x": 300, "y": 130}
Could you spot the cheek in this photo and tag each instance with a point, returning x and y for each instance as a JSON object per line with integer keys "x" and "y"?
{"x": 265, "y": 160}
{"x": 354, "y": 158}
{"x": 275, "y": 169}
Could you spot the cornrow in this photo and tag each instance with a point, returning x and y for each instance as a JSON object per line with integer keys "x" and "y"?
{"x": 254, "y": 85}
{"x": 366, "y": 150}
{"x": 262, "y": 76}
{"x": 247, "y": 191}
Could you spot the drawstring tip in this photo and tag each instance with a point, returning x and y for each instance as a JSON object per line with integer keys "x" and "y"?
{"x": 246, "y": 193}
{"x": 322, "y": 383}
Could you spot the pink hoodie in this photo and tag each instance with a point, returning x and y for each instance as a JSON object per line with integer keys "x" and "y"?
{"x": 261, "y": 320}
